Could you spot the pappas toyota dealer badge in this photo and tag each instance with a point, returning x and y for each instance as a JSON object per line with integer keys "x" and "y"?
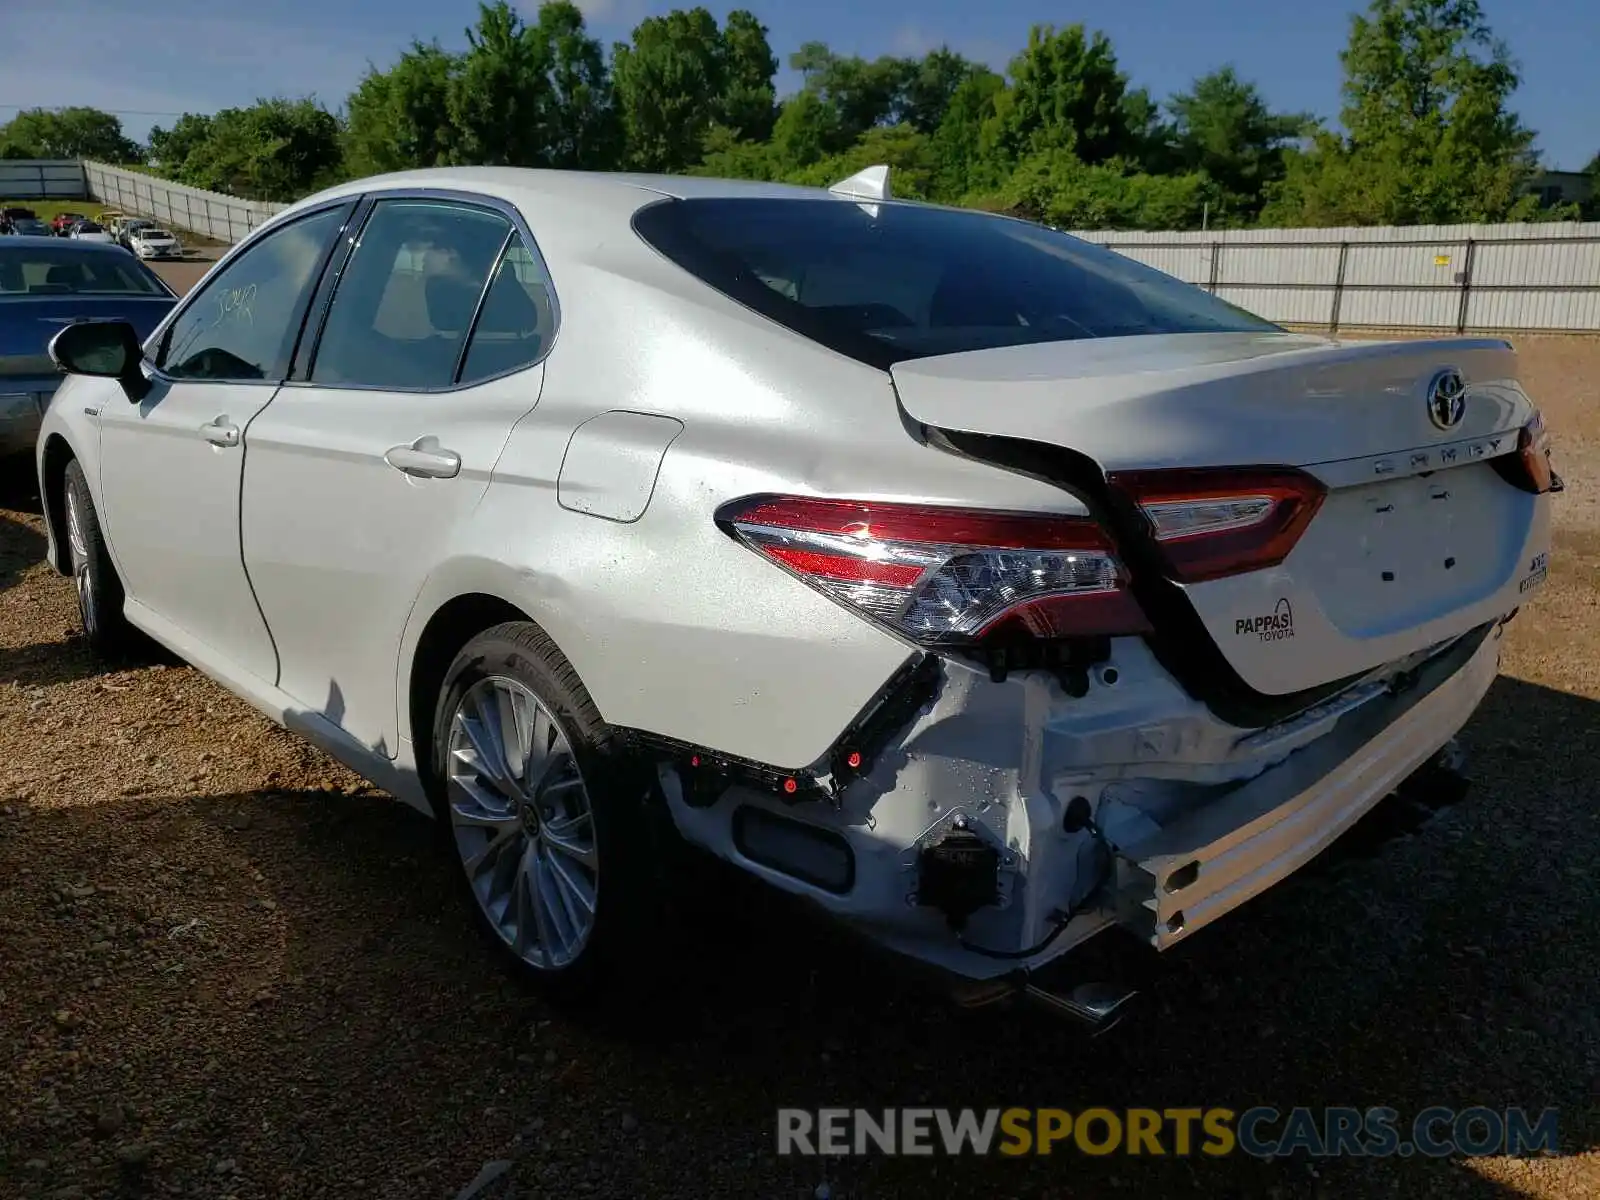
{"x": 1274, "y": 626}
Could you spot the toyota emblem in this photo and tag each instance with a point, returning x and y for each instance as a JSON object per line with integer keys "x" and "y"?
{"x": 1447, "y": 399}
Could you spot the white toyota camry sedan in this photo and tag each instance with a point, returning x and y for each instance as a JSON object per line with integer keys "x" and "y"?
{"x": 982, "y": 586}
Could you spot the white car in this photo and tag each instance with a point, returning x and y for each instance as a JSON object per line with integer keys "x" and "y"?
{"x": 984, "y": 587}
{"x": 89, "y": 231}
{"x": 151, "y": 242}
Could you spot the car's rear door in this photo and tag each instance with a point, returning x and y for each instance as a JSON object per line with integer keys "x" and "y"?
{"x": 381, "y": 445}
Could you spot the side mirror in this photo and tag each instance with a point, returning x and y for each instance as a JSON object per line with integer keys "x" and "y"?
{"x": 104, "y": 350}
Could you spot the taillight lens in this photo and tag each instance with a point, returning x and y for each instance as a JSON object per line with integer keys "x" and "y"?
{"x": 1530, "y": 468}
{"x": 1214, "y": 522}
{"x": 946, "y": 575}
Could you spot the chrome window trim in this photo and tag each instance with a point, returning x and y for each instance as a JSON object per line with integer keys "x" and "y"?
{"x": 519, "y": 225}
{"x": 495, "y": 268}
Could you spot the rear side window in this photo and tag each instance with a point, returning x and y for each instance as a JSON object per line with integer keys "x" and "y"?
{"x": 517, "y": 321}
{"x": 884, "y": 283}
{"x": 405, "y": 302}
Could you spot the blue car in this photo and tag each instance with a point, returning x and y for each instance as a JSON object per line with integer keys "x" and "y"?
{"x": 47, "y": 283}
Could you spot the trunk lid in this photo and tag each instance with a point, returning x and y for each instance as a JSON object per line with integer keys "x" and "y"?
{"x": 27, "y": 325}
{"x": 1419, "y": 538}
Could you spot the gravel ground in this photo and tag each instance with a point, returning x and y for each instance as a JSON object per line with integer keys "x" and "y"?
{"x": 230, "y": 968}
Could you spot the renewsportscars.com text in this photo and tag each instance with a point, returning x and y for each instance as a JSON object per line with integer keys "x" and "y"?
{"x": 1259, "y": 1131}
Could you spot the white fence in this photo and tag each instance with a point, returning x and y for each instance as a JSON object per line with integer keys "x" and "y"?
{"x": 1456, "y": 278}
{"x": 211, "y": 214}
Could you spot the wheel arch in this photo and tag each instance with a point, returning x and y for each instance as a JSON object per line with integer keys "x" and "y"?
{"x": 449, "y": 627}
{"x": 56, "y": 454}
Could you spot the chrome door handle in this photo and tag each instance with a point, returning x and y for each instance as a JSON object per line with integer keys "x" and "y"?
{"x": 221, "y": 432}
{"x": 424, "y": 459}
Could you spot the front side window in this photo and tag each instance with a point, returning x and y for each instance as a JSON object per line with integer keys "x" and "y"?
{"x": 888, "y": 282}
{"x": 242, "y": 324}
{"x": 405, "y": 302}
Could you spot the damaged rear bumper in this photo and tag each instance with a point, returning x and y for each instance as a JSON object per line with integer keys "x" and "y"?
{"x": 1209, "y": 862}
{"x": 974, "y": 809}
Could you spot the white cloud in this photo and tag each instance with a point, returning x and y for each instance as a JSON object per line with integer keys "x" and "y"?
{"x": 912, "y": 41}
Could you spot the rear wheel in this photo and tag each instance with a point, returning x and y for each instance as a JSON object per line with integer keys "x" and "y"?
{"x": 544, "y": 812}
{"x": 100, "y": 595}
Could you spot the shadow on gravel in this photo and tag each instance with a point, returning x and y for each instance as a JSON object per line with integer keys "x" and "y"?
{"x": 285, "y": 982}
{"x": 49, "y": 663}
{"x": 20, "y": 549}
{"x": 19, "y": 485}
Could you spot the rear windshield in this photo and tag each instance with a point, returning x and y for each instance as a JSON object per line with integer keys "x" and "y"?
{"x": 49, "y": 271}
{"x": 889, "y": 282}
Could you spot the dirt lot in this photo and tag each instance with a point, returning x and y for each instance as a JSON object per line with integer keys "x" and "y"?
{"x": 228, "y": 968}
{"x": 184, "y": 275}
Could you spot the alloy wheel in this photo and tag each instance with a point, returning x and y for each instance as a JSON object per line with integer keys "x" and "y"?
{"x": 522, "y": 822}
{"x": 78, "y": 548}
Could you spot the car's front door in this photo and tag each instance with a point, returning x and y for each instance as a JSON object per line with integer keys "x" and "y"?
{"x": 172, "y": 463}
{"x": 381, "y": 446}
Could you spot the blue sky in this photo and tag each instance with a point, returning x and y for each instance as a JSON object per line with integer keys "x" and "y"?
{"x": 151, "y": 58}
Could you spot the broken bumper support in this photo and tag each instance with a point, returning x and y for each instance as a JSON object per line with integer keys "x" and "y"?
{"x": 1204, "y": 865}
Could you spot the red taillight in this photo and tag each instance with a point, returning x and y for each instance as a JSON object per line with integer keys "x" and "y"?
{"x": 1213, "y": 522}
{"x": 1529, "y": 468}
{"x": 946, "y": 575}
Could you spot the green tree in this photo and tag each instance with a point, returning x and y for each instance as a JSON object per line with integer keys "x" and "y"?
{"x": 534, "y": 95}
{"x": 1429, "y": 135}
{"x": 1221, "y": 126}
{"x": 670, "y": 84}
{"x": 749, "y": 98}
{"x": 400, "y": 118}
{"x": 959, "y": 166}
{"x": 274, "y": 150}
{"x": 726, "y": 155}
{"x": 77, "y": 132}
{"x": 862, "y": 93}
{"x": 581, "y": 130}
{"x": 1055, "y": 187}
{"x": 907, "y": 152}
{"x": 1150, "y": 135}
{"x": 1066, "y": 93}
{"x": 500, "y": 97}
{"x": 930, "y": 83}
{"x": 170, "y": 148}
{"x": 808, "y": 129}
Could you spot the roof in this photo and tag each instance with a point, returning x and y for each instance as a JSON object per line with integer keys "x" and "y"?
{"x": 582, "y": 188}
{"x": 40, "y": 240}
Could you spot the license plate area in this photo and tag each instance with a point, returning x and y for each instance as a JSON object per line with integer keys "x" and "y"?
{"x": 1392, "y": 553}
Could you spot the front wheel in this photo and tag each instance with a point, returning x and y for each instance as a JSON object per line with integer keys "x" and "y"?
{"x": 100, "y": 595}
{"x": 545, "y": 814}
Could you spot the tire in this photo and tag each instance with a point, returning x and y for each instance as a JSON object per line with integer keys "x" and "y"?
{"x": 595, "y": 915}
{"x": 100, "y": 595}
